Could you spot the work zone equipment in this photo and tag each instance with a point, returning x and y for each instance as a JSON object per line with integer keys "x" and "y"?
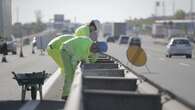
{"x": 31, "y": 82}
{"x": 136, "y": 56}
{"x": 107, "y": 85}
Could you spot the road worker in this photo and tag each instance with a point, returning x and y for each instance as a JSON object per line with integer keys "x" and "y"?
{"x": 53, "y": 49}
{"x": 72, "y": 51}
{"x": 86, "y": 30}
{"x": 92, "y": 30}
{"x": 68, "y": 50}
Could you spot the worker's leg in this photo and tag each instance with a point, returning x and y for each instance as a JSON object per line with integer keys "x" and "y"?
{"x": 69, "y": 72}
{"x": 55, "y": 54}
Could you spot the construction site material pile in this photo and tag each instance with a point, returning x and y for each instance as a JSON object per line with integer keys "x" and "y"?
{"x": 110, "y": 85}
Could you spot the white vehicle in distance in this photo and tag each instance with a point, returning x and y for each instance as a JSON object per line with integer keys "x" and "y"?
{"x": 179, "y": 47}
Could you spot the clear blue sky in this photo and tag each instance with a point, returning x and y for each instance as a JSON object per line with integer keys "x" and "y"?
{"x": 84, "y": 10}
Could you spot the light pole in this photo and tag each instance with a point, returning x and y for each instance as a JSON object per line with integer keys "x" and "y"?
{"x": 192, "y": 19}
{"x": 163, "y": 8}
{"x": 21, "y": 47}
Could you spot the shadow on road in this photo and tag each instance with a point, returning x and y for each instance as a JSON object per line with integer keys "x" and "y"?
{"x": 51, "y": 105}
{"x": 43, "y": 105}
{"x": 11, "y": 105}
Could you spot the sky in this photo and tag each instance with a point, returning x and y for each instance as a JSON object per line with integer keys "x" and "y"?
{"x": 84, "y": 10}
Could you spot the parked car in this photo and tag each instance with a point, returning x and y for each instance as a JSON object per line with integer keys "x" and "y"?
{"x": 11, "y": 44}
{"x": 179, "y": 46}
{"x": 135, "y": 41}
{"x": 110, "y": 39}
{"x": 124, "y": 39}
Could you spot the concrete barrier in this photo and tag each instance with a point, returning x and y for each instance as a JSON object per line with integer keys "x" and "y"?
{"x": 105, "y": 72}
{"x": 104, "y": 61}
{"x": 109, "y": 83}
{"x": 119, "y": 100}
{"x": 99, "y": 66}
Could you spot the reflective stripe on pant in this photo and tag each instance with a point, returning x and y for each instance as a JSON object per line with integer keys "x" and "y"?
{"x": 68, "y": 70}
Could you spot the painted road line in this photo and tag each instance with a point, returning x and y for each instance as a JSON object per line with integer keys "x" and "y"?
{"x": 50, "y": 82}
{"x": 184, "y": 64}
{"x": 148, "y": 56}
{"x": 31, "y": 105}
{"x": 162, "y": 59}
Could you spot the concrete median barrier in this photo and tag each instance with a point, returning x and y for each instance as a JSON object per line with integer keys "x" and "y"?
{"x": 109, "y": 83}
{"x": 105, "y": 72}
{"x": 119, "y": 100}
{"x": 104, "y": 60}
{"x": 99, "y": 66}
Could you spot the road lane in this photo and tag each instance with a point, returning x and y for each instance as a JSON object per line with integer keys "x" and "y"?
{"x": 9, "y": 87}
{"x": 175, "y": 74}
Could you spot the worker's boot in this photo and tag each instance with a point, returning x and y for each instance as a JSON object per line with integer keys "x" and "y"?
{"x": 64, "y": 98}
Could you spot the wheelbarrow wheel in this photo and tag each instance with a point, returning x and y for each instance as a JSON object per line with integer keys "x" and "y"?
{"x": 33, "y": 92}
{"x": 23, "y": 93}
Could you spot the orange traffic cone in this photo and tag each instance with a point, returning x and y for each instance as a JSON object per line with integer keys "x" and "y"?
{"x": 4, "y": 60}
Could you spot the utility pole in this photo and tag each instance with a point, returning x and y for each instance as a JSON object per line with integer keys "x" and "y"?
{"x": 75, "y": 19}
{"x": 173, "y": 7}
{"x": 163, "y": 8}
{"x": 21, "y": 39}
{"x": 192, "y": 17}
{"x": 191, "y": 9}
{"x": 17, "y": 14}
{"x": 156, "y": 8}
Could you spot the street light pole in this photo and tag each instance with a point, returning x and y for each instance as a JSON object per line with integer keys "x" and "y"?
{"x": 192, "y": 17}
{"x": 21, "y": 47}
{"x": 173, "y": 7}
{"x": 191, "y": 9}
{"x": 163, "y": 8}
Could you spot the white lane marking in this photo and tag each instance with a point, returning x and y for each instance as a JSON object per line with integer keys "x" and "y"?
{"x": 184, "y": 64}
{"x": 50, "y": 82}
{"x": 148, "y": 56}
{"x": 162, "y": 59}
{"x": 31, "y": 105}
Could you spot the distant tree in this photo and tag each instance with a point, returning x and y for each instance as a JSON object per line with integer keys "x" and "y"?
{"x": 180, "y": 14}
{"x": 39, "y": 25}
{"x": 17, "y": 30}
{"x": 38, "y": 15}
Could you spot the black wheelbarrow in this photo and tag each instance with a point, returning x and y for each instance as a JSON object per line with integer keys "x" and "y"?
{"x": 31, "y": 82}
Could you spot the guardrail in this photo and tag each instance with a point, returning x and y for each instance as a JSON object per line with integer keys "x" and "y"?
{"x": 161, "y": 90}
{"x": 110, "y": 86}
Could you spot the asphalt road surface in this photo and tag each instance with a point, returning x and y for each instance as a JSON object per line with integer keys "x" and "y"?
{"x": 175, "y": 74}
{"x": 10, "y": 92}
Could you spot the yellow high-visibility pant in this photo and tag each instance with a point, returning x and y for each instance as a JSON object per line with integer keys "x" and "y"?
{"x": 69, "y": 70}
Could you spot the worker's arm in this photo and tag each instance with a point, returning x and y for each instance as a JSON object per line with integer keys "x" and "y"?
{"x": 92, "y": 58}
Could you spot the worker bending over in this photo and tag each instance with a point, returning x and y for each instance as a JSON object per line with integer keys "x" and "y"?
{"x": 68, "y": 50}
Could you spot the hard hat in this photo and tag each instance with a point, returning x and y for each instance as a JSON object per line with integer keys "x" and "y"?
{"x": 97, "y": 23}
{"x": 98, "y": 27}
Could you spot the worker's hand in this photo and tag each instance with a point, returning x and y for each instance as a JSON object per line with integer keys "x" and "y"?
{"x": 94, "y": 48}
{"x": 99, "y": 47}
